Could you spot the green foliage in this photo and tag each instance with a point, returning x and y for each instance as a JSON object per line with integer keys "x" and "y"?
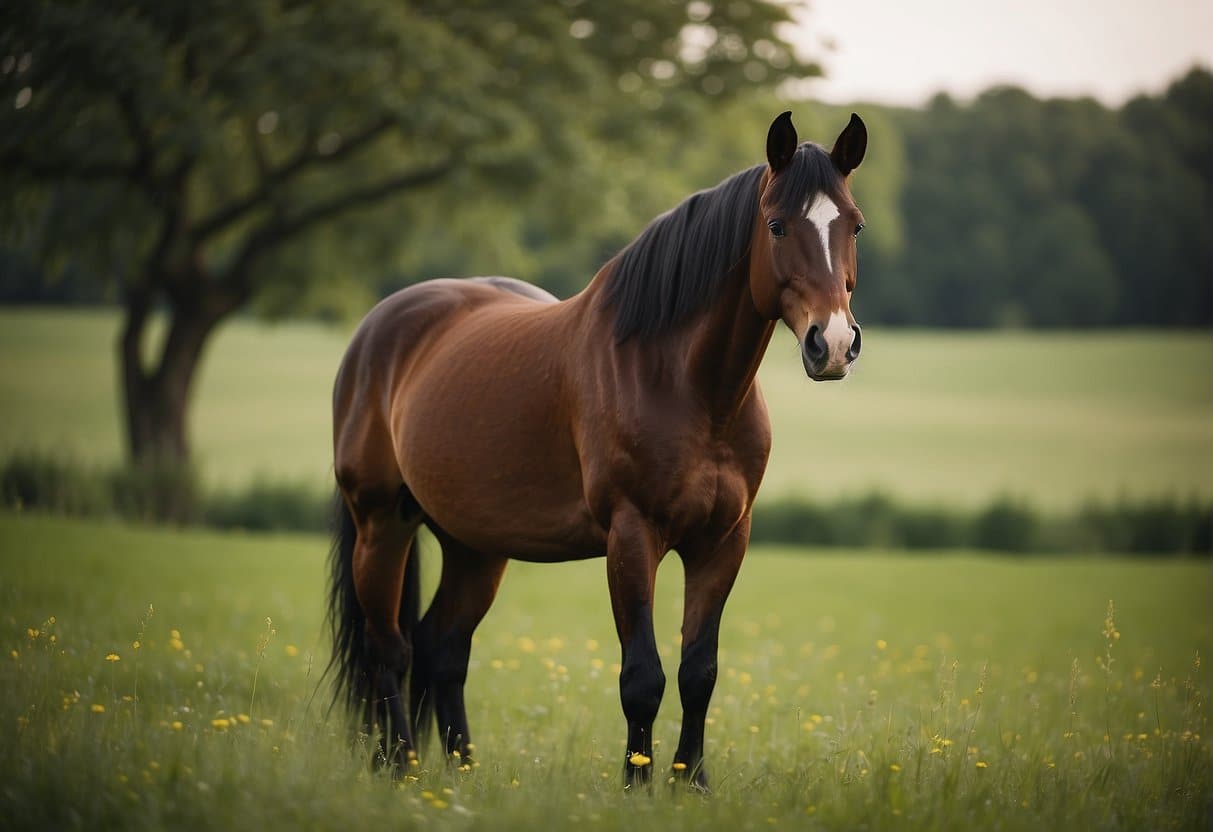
{"x": 266, "y": 506}
{"x": 1025, "y": 212}
{"x": 1006, "y": 525}
{"x": 156, "y": 491}
{"x": 45, "y": 483}
{"x": 249, "y": 124}
{"x": 1149, "y": 527}
{"x": 855, "y": 690}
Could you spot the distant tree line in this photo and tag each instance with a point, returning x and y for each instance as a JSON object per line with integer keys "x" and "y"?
{"x": 1022, "y": 212}
{"x": 1007, "y": 211}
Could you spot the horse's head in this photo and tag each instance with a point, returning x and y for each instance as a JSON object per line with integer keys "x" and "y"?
{"x": 808, "y": 272}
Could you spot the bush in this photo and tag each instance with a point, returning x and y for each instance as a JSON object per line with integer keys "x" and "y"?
{"x": 161, "y": 491}
{"x": 1006, "y": 525}
{"x": 269, "y": 506}
{"x": 37, "y": 480}
{"x": 170, "y": 493}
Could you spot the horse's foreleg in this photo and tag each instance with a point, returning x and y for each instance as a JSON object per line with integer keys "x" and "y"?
{"x": 380, "y": 554}
{"x": 467, "y": 589}
{"x": 633, "y": 552}
{"x": 710, "y": 573}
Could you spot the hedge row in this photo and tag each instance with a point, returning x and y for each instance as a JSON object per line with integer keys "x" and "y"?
{"x": 170, "y": 494}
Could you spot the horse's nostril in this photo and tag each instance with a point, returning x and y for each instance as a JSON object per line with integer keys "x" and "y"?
{"x": 856, "y": 343}
{"x": 815, "y": 345}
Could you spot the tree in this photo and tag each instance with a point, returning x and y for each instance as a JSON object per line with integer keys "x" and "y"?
{"x": 196, "y": 155}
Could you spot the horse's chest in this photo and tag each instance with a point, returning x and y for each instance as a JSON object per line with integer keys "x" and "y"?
{"x": 692, "y": 492}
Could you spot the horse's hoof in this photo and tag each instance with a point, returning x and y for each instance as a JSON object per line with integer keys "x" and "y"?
{"x": 693, "y": 780}
{"x": 637, "y": 771}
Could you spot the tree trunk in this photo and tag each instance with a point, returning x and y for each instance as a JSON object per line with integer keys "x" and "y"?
{"x": 156, "y": 400}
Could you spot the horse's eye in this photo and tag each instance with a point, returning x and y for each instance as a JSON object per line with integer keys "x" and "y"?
{"x": 777, "y": 228}
{"x": 858, "y": 228}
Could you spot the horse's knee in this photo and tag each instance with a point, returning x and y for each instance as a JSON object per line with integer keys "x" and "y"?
{"x": 641, "y": 686}
{"x": 393, "y": 652}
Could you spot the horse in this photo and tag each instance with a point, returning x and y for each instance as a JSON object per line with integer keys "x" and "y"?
{"x": 624, "y": 422}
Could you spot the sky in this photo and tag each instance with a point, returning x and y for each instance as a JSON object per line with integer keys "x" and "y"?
{"x": 901, "y": 52}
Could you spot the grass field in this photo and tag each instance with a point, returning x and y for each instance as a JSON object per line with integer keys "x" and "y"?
{"x": 954, "y": 418}
{"x": 856, "y": 691}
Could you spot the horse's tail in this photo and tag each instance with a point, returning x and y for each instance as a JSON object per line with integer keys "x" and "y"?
{"x": 421, "y": 673}
{"x": 352, "y": 659}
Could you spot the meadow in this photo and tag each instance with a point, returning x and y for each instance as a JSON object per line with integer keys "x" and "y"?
{"x": 929, "y": 418}
{"x": 157, "y": 679}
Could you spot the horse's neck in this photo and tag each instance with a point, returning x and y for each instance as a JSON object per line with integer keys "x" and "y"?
{"x": 726, "y": 347}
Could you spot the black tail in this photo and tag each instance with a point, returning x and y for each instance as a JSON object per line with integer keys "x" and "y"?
{"x": 352, "y": 659}
{"x": 421, "y": 677}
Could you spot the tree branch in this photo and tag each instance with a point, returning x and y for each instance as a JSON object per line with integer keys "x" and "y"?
{"x": 276, "y": 177}
{"x": 54, "y": 170}
{"x": 143, "y": 167}
{"x": 276, "y": 231}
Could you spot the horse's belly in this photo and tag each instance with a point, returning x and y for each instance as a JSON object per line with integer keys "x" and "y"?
{"x": 490, "y": 460}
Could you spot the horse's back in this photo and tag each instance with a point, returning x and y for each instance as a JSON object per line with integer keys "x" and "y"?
{"x": 392, "y": 340}
{"x": 456, "y": 388}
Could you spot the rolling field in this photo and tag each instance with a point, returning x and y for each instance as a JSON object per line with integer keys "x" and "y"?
{"x": 949, "y": 418}
{"x": 856, "y": 691}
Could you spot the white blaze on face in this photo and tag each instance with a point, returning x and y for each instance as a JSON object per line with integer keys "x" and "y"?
{"x": 821, "y": 212}
{"x": 838, "y": 336}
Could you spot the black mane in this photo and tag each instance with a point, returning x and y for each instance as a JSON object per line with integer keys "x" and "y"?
{"x": 676, "y": 267}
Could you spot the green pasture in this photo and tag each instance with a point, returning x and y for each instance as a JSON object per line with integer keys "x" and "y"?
{"x": 855, "y": 691}
{"x": 928, "y": 417}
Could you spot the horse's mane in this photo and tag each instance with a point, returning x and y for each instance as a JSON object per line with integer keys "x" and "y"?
{"x": 677, "y": 266}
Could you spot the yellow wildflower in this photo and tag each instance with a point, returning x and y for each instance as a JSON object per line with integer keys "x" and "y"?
{"x": 639, "y": 760}
{"x": 178, "y": 725}
{"x": 894, "y": 767}
{"x": 113, "y": 657}
{"x": 439, "y": 804}
{"x": 221, "y": 724}
{"x": 243, "y": 719}
{"x": 97, "y": 709}
{"x": 881, "y": 644}
{"x": 136, "y": 644}
{"x": 680, "y": 766}
{"x": 291, "y": 650}
{"x": 982, "y": 764}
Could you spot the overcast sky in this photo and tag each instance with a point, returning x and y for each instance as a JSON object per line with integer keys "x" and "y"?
{"x": 902, "y": 52}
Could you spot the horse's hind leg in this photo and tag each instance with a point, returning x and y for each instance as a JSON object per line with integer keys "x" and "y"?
{"x": 444, "y": 640}
{"x": 384, "y": 542}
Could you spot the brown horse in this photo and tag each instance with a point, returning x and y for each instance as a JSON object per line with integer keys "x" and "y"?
{"x": 626, "y": 421}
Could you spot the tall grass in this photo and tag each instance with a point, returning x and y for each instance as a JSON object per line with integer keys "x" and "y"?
{"x": 935, "y": 693}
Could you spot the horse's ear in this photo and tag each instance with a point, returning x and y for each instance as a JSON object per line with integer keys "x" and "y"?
{"x": 850, "y": 145}
{"x": 781, "y": 142}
